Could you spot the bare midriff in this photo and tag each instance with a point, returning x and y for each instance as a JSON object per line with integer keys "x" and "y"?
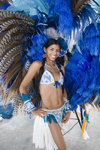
{"x": 51, "y": 97}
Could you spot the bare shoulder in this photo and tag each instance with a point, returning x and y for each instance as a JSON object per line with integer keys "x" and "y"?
{"x": 63, "y": 69}
{"x": 35, "y": 66}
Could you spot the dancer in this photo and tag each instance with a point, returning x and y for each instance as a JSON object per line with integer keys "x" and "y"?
{"x": 22, "y": 36}
{"x": 49, "y": 81}
{"x": 19, "y": 35}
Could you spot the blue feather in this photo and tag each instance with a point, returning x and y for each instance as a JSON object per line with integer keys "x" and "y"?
{"x": 63, "y": 44}
{"x": 51, "y": 11}
{"x": 83, "y": 19}
{"x": 91, "y": 31}
{"x": 5, "y": 6}
{"x": 92, "y": 10}
{"x": 61, "y": 6}
{"x": 35, "y": 50}
{"x": 94, "y": 45}
{"x": 26, "y": 97}
{"x": 91, "y": 13}
{"x": 50, "y": 2}
{"x": 10, "y": 83}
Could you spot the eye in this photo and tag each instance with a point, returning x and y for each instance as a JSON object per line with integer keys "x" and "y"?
{"x": 51, "y": 49}
{"x": 58, "y": 50}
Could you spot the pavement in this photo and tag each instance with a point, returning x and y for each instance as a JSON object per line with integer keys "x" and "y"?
{"x": 16, "y": 133}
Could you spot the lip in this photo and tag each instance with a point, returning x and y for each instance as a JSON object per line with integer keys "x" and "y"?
{"x": 53, "y": 57}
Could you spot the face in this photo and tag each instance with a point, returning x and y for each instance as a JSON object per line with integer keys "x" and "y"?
{"x": 52, "y": 52}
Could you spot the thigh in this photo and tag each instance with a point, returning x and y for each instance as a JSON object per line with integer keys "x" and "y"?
{"x": 57, "y": 135}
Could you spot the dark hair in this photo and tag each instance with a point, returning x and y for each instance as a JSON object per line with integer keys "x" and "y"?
{"x": 36, "y": 97}
{"x": 51, "y": 42}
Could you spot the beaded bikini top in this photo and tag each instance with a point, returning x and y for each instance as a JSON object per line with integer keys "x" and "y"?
{"x": 47, "y": 77}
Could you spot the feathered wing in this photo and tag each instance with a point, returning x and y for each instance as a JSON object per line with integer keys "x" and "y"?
{"x": 21, "y": 37}
{"x": 16, "y": 29}
{"x": 82, "y": 79}
{"x": 13, "y": 26}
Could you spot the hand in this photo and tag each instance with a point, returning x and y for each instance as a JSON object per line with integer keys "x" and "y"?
{"x": 66, "y": 117}
{"x": 39, "y": 112}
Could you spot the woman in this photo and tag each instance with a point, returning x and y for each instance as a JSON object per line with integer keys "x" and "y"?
{"x": 49, "y": 87}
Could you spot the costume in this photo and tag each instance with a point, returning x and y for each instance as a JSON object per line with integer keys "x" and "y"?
{"x": 58, "y": 114}
{"x": 42, "y": 137}
{"x": 47, "y": 77}
{"x": 62, "y": 20}
{"x": 23, "y": 32}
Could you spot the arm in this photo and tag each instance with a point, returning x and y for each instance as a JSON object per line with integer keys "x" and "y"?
{"x": 65, "y": 93}
{"x": 32, "y": 72}
{"x": 67, "y": 115}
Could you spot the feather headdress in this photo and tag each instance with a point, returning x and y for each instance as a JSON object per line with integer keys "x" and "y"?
{"x": 22, "y": 36}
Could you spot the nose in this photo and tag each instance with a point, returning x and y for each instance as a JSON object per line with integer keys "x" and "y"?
{"x": 55, "y": 52}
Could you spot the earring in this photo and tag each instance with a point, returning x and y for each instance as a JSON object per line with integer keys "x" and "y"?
{"x": 65, "y": 59}
{"x": 44, "y": 55}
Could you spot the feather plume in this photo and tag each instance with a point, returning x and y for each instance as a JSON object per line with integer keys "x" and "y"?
{"x": 15, "y": 84}
{"x": 6, "y": 14}
{"x": 13, "y": 27}
{"x": 82, "y": 19}
{"x": 12, "y": 22}
{"x": 15, "y": 40}
{"x": 77, "y": 5}
{"x": 10, "y": 54}
{"x": 13, "y": 73}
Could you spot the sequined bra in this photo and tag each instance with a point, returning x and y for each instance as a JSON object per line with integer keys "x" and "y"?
{"x": 47, "y": 78}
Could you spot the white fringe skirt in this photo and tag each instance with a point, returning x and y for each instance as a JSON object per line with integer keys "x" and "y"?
{"x": 42, "y": 137}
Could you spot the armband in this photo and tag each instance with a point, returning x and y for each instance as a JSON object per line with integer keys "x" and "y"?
{"x": 27, "y": 101}
{"x": 29, "y": 105}
{"x": 68, "y": 106}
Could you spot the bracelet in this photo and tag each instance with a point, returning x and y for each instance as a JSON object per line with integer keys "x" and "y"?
{"x": 68, "y": 106}
{"x": 29, "y": 105}
{"x": 26, "y": 97}
{"x": 27, "y": 101}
